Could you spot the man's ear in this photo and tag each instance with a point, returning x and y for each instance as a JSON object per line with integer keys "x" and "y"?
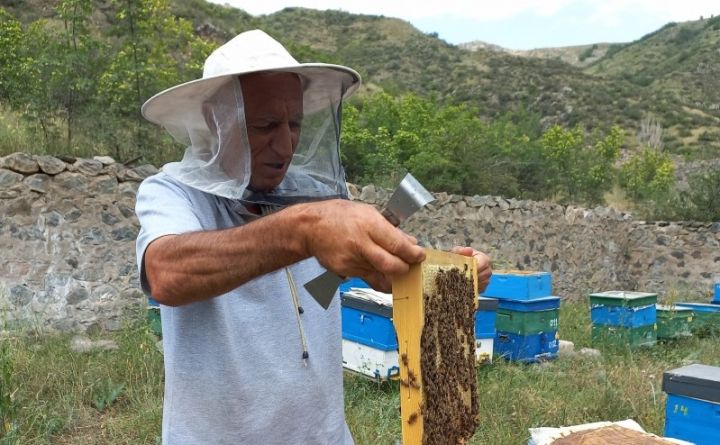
{"x": 209, "y": 115}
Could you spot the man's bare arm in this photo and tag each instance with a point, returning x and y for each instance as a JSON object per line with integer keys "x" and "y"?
{"x": 348, "y": 238}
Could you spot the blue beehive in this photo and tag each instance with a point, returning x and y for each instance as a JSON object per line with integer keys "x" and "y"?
{"x": 527, "y": 348}
{"x": 368, "y": 323}
{"x": 527, "y": 329}
{"x": 485, "y": 327}
{"x": 485, "y": 317}
{"x": 628, "y": 317}
{"x": 716, "y": 300}
{"x": 623, "y": 318}
{"x": 352, "y": 282}
{"x": 519, "y": 285}
{"x": 692, "y": 412}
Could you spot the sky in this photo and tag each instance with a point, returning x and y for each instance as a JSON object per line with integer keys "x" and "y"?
{"x": 516, "y": 24}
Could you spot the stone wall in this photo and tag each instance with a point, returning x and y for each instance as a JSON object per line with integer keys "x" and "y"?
{"x": 67, "y": 231}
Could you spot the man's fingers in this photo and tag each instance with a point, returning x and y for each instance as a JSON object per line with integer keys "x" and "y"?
{"x": 383, "y": 261}
{"x": 399, "y": 244}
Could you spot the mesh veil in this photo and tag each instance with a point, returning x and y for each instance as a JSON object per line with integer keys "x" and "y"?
{"x": 217, "y": 159}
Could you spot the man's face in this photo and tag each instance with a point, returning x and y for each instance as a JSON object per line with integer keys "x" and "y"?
{"x": 273, "y": 111}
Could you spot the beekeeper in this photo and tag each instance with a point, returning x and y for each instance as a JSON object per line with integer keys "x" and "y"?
{"x": 256, "y": 207}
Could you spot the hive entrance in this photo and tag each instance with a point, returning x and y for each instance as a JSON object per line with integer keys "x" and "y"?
{"x": 434, "y": 314}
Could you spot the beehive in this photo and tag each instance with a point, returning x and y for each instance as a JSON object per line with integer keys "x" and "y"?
{"x": 434, "y": 308}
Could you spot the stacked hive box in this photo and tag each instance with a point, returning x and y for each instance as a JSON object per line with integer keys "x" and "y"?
{"x": 623, "y": 318}
{"x": 485, "y": 322}
{"x": 527, "y": 315}
{"x": 716, "y": 299}
{"x": 673, "y": 322}
{"x": 692, "y": 412}
{"x": 706, "y": 319}
{"x": 369, "y": 344}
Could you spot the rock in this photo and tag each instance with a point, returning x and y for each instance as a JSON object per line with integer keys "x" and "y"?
{"x": 125, "y": 234}
{"x": 94, "y": 236}
{"x": 590, "y": 352}
{"x": 105, "y": 184}
{"x": 132, "y": 293}
{"x": 89, "y": 167}
{"x": 128, "y": 189}
{"x": 71, "y": 183}
{"x": 9, "y": 178}
{"x": 126, "y": 211}
{"x": 109, "y": 218}
{"x": 9, "y": 194}
{"x": 53, "y": 219}
{"x": 20, "y": 295}
{"x": 441, "y": 198}
{"x": 144, "y": 171}
{"x": 127, "y": 174}
{"x": 38, "y": 182}
{"x": 481, "y": 201}
{"x": 353, "y": 191}
{"x": 77, "y": 295}
{"x": 83, "y": 345}
{"x": 50, "y": 164}
{"x": 21, "y": 163}
{"x": 105, "y": 292}
{"x": 566, "y": 347}
{"x": 368, "y": 194}
{"x": 104, "y": 160}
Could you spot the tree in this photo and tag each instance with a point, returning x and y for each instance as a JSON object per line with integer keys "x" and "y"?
{"x": 701, "y": 200}
{"x": 155, "y": 51}
{"x": 11, "y": 58}
{"x": 648, "y": 176}
{"x": 580, "y": 167}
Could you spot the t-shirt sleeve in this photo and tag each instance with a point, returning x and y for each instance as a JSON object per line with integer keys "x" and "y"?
{"x": 163, "y": 208}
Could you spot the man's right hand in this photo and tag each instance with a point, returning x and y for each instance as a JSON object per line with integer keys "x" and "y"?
{"x": 354, "y": 239}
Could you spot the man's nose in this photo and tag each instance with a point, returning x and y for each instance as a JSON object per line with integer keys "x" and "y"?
{"x": 284, "y": 140}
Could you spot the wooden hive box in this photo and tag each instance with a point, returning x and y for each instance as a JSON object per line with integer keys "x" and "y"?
{"x": 434, "y": 308}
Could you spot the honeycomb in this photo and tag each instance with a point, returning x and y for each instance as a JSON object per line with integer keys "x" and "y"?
{"x": 447, "y": 360}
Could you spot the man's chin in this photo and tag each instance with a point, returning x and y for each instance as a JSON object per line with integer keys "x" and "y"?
{"x": 264, "y": 186}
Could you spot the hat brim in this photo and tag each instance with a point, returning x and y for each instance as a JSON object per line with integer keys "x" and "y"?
{"x": 181, "y": 104}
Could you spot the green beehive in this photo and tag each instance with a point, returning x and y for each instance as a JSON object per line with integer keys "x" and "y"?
{"x": 673, "y": 321}
{"x": 153, "y": 320}
{"x": 706, "y": 318}
{"x": 527, "y": 323}
{"x": 621, "y": 336}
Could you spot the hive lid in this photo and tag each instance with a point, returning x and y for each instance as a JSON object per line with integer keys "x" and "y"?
{"x": 696, "y": 381}
{"x": 363, "y": 300}
{"x": 672, "y": 308}
{"x": 623, "y": 295}
{"x": 487, "y": 304}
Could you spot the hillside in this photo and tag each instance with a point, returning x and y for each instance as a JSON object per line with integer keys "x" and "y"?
{"x": 672, "y": 74}
{"x": 680, "y": 62}
{"x": 622, "y": 87}
{"x": 578, "y": 55}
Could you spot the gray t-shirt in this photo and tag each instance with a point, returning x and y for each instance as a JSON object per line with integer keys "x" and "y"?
{"x": 234, "y": 372}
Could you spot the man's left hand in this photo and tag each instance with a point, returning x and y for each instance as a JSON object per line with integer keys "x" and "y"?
{"x": 484, "y": 266}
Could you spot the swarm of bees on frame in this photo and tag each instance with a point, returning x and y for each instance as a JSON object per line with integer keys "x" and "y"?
{"x": 447, "y": 362}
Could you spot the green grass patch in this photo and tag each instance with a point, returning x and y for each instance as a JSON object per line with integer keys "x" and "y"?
{"x": 115, "y": 397}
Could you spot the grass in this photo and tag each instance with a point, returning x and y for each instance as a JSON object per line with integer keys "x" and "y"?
{"x": 115, "y": 397}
